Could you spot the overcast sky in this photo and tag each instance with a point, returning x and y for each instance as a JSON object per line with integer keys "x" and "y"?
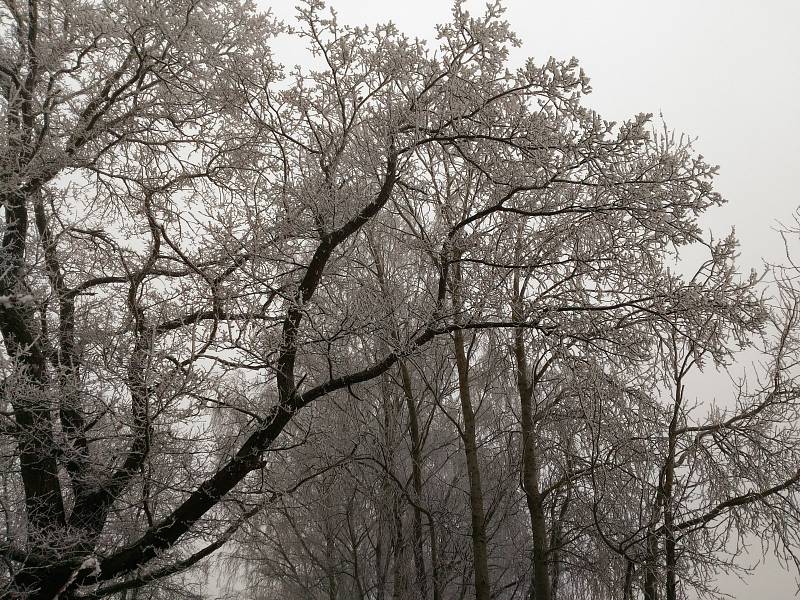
{"x": 726, "y": 72}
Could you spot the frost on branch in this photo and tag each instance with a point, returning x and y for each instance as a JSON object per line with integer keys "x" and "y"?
{"x": 406, "y": 321}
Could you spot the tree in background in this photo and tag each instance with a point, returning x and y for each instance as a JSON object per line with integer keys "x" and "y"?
{"x": 412, "y": 284}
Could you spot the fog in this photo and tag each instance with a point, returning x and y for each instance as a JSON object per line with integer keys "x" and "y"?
{"x": 725, "y": 72}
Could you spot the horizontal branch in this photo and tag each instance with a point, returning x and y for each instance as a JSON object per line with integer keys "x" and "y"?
{"x": 737, "y": 501}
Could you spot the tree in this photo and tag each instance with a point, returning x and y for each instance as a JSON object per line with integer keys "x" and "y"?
{"x": 705, "y": 485}
{"x": 111, "y": 116}
{"x": 195, "y": 255}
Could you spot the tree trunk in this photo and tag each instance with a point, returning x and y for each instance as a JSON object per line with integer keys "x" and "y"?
{"x": 380, "y": 573}
{"x": 31, "y": 402}
{"x": 437, "y": 592}
{"x": 627, "y": 586}
{"x": 669, "y": 483}
{"x": 399, "y": 584}
{"x": 416, "y": 478}
{"x": 651, "y": 568}
{"x": 541, "y": 589}
{"x": 477, "y": 516}
{"x": 556, "y": 539}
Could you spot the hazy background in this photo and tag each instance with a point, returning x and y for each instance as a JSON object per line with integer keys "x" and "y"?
{"x": 726, "y": 72}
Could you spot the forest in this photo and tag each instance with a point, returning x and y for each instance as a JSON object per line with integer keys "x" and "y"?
{"x": 403, "y": 323}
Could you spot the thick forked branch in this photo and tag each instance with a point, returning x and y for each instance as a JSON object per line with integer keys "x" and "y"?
{"x": 70, "y": 409}
{"x": 91, "y": 508}
{"x": 247, "y": 459}
{"x": 313, "y": 275}
{"x": 43, "y": 500}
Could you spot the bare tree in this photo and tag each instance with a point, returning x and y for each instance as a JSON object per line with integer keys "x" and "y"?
{"x": 196, "y": 253}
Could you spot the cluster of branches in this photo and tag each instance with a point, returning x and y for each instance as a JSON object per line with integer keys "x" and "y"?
{"x": 432, "y": 292}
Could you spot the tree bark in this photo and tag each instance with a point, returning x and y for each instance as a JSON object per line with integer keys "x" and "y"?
{"x": 477, "y": 515}
{"x": 556, "y": 539}
{"x": 435, "y": 582}
{"x": 651, "y": 568}
{"x": 627, "y": 586}
{"x": 669, "y": 484}
{"x": 541, "y": 588}
{"x": 416, "y": 479}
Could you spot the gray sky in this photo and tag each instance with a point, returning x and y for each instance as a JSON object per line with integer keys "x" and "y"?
{"x": 726, "y": 72}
